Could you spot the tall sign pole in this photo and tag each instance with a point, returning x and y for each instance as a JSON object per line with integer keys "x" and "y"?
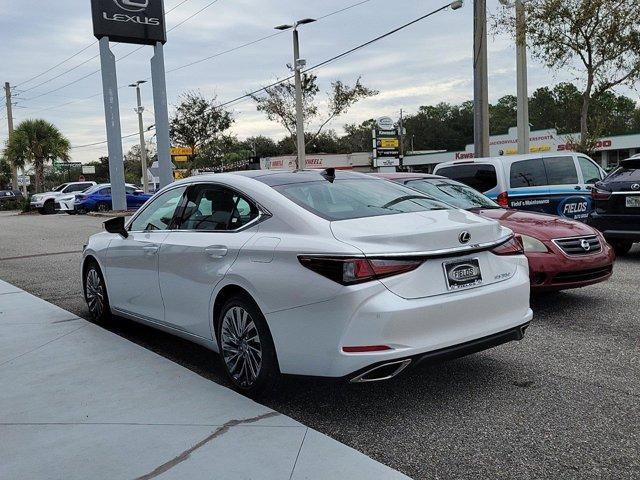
{"x": 139, "y": 22}
{"x": 14, "y": 169}
{"x": 523, "y": 93}
{"x": 480, "y": 80}
{"x": 165, "y": 170}
{"x": 114, "y": 129}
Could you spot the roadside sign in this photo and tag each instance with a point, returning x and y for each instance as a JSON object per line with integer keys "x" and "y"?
{"x": 181, "y": 159}
{"x": 129, "y": 21}
{"x": 393, "y": 143}
{"x": 88, "y": 169}
{"x": 181, "y": 151}
{"x": 386, "y": 162}
{"x": 24, "y": 180}
{"x": 386, "y": 123}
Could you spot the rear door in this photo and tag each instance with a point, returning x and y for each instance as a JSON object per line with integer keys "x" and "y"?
{"x": 214, "y": 226}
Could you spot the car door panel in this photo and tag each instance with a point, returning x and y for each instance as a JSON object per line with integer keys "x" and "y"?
{"x": 132, "y": 274}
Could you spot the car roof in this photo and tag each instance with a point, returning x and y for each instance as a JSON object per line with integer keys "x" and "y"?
{"x": 274, "y": 178}
{"x": 408, "y": 176}
{"x": 509, "y": 158}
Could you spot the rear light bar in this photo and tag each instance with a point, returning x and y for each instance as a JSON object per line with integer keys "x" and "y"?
{"x": 503, "y": 200}
{"x": 598, "y": 194}
{"x": 351, "y": 271}
{"x": 513, "y": 246}
{"x": 367, "y": 349}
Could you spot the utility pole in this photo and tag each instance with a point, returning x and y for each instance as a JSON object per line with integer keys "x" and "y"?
{"x": 401, "y": 131}
{"x": 523, "y": 93}
{"x": 480, "y": 80}
{"x": 298, "y": 65}
{"x": 143, "y": 147}
{"x": 14, "y": 169}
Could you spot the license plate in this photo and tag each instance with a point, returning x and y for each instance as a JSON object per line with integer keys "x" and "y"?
{"x": 633, "y": 202}
{"x": 462, "y": 274}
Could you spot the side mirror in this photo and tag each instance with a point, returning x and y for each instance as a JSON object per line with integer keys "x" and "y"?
{"x": 116, "y": 225}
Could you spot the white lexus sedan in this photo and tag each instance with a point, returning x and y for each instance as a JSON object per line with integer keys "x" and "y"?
{"x": 314, "y": 273}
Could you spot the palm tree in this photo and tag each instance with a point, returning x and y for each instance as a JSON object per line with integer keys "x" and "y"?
{"x": 37, "y": 142}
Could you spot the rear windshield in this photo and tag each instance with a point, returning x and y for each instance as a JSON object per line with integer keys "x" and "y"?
{"x": 628, "y": 172}
{"x": 455, "y": 194}
{"x": 357, "y": 198}
{"x": 480, "y": 176}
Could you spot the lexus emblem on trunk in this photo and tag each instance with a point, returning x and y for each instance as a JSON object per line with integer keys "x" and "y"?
{"x": 465, "y": 237}
{"x": 585, "y": 245}
{"x": 635, "y": 186}
{"x": 132, "y": 5}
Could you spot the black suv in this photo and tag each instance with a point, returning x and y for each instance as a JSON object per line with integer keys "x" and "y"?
{"x": 617, "y": 205}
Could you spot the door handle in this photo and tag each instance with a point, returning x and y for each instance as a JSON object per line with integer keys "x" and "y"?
{"x": 150, "y": 249}
{"x": 216, "y": 251}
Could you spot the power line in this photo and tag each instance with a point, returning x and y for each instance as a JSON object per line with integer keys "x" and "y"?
{"x": 247, "y": 44}
{"x": 336, "y": 57}
{"x": 103, "y": 142}
{"x": 79, "y": 52}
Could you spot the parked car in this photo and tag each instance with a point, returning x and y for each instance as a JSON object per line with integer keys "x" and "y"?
{"x": 562, "y": 253}
{"x": 329, "y": 274}
{"x": 553, "y": 183}
{"x": 98, "y": 199}
{"x": 66, "y": 203}
{"x": 7, "y": 196}
{"x": 45, "y": 203}
{"x": 617, "y": 205}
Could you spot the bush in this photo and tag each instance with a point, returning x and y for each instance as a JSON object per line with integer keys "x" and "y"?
{"x": 20, "y": 205}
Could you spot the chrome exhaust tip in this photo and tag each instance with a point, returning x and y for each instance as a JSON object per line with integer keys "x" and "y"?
{"x": 386, "y": 371}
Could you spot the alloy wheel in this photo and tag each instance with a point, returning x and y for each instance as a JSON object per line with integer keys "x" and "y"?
{"x": 95, "y": 293}
{"x": 241, "y": 346}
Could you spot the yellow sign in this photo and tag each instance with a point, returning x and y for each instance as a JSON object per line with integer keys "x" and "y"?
{"x": 181, "y": 151}
{"x": 389, "y": 143}
{"x": 179, "y": 174}
{"x": 181, "y": 159}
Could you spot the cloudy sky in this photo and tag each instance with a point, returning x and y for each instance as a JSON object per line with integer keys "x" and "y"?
{"x": 426, "y": 63}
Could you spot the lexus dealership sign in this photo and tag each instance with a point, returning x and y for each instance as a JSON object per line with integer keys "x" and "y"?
{"x": 129, "y": 21}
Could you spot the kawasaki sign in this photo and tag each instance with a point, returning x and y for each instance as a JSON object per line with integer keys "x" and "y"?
{"x": 129, "y": 21}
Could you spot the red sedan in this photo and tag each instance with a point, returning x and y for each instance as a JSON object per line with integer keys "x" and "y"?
{"x": 562, "y": 253}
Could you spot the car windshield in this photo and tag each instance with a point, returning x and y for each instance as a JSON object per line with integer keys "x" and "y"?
{"x": 357, "y": 198}
{"x": 94, "y": 189}
{"x": 629, "y": 171}
{"x": 455, "y": 194}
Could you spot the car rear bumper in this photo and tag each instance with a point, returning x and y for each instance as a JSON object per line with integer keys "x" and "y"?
{"x": 65, "y": 206}
{"x": 618, "y": 227}
{"x": 309, "y": 340}
{"x": 556, "y": 271}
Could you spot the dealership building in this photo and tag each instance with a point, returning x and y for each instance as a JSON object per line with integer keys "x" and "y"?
{"x": 608, "y": 152}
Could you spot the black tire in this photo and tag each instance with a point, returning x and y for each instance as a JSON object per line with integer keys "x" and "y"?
{"x": 49, "y": 208}
{"x": 80, "y": 210}
{"x": 103, "y": 207}
{"x": 70, "y": 212}
{"x": 621, "y": 247}
{"x": 246, "y": 360}
{"x": 95, "y": 293}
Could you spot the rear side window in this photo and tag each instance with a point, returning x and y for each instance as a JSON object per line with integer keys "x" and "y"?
{"x": 528, "y": 173}
{"x": 479, "y": 176}
{"x": 560, "y": 171}
{"x": 348, "y": 199}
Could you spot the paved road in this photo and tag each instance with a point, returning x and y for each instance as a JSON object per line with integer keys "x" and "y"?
{"x": 564, "y": 403}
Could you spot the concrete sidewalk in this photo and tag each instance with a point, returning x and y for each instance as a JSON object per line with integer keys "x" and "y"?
{"x": 78, "y": 402}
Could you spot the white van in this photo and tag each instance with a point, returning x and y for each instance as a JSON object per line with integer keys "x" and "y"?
{"x": 554, "y": 183}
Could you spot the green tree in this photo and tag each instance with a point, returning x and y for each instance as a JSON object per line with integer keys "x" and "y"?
{"x": 5, "y": 172}
{"x": 597, "y": 40}
{"x": 357, "y": 138}
{"x": 37, "y": 142}
{"x": 278, "y": 103}
{"x": 197, "y": 121}
{"x": 503, "y": 115}
{"x": 441, "y": 127}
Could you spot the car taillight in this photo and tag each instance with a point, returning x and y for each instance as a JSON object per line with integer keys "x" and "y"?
{"x": 598, "y": 194}
{"x": 350, "y": 271}
{"x": 80, "y": 197}
{"x": 503, "y": 200}
{"x": 513, "y": 246}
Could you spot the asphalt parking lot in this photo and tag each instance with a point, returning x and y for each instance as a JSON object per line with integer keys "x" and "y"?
{"x": 564, "y": 403}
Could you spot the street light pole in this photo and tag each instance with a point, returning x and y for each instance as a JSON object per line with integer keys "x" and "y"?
{"x": 143, "y": 147}
{"x": 302, "y": 153}
{"x": 14, "y": 169}
{"x": 480, "y": 80}
{"x": 523, "y": 93}
{"x": 298, "y": 65}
